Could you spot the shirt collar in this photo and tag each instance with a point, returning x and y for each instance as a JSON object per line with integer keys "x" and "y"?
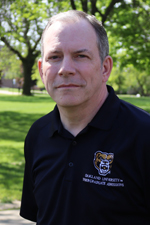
{"x": 104, "y": 118}
{"x": 106, "y": 115}
{"x": 55, "y": 124}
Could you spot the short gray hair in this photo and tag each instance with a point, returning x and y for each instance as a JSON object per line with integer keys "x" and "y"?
{"x": 74, "y": 15}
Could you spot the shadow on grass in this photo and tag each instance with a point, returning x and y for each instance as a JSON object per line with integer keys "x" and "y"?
{"x": 11, "y": 176}
{"x": 11, "y": 182}
{"x": 15, "y": 125}
{"x": 13, "y": 130}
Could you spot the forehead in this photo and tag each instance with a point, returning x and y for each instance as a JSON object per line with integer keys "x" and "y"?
{"x": 72, "y": 32}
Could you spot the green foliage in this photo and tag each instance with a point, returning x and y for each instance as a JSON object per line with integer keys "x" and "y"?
{"x": 22, "y": 23}
{"x": 129, "y": 35}
{"x": 117, "y": 80}
{"x": 36, "y": 75}
{"x": 60, "y": 5}
{"x": 127, "y": 24}
{"x": 143, "y": 82}
{"x": 9, "y": 64}
{"x": 130, "y": 80}
{"x": 130, "y": 27}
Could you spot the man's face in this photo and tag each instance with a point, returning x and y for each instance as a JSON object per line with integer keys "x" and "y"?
{"x": 71, "y": 68}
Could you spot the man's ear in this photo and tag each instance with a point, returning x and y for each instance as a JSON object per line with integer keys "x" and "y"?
{"x": 40, "y": 69}
{"x": 107, "y": 67}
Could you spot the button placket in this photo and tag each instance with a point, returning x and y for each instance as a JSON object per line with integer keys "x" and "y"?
{"x": 70, "y": 164}
{"x": 69, "y": 171}
{"x": 74, "y": 143}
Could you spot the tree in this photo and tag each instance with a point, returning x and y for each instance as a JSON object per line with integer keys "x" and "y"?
{"x": 137, "y": 82}
{"x": 127, "y": 25}
{"x": 21, "y": 28}
{"x": 101, "y": 9}
{"x": 10, "y": 65}
{"x": 117, "y": 80}
{"x": 130, "y": 29}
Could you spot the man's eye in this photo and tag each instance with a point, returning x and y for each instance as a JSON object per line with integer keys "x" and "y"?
{"x": 53, "y": 57}
{"x": 82, "y": 56}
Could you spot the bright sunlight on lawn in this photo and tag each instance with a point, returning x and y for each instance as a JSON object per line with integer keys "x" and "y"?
{"x": 17, "y": 113}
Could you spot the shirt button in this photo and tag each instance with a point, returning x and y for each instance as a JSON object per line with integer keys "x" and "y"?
{"x": 74, "y": 143}
{"x": 71, "y": 164}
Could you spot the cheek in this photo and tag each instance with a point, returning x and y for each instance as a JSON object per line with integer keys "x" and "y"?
{"x": 49, "y": 74}
{"x": 94, "y": 74}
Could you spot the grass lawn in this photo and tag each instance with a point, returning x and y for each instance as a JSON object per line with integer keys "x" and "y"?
{"x": 142, "y": 102}
{"x": 17, "y": 113}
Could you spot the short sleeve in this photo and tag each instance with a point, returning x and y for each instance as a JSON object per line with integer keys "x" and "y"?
{"x": 28, "y": 208}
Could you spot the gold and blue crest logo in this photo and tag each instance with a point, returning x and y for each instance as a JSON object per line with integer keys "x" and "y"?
{"x": 103, "y": 162}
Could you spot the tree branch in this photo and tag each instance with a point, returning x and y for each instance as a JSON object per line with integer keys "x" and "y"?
{"x": 11, "y": 48}
{"x": 84, "y": 5}
{"x": 93, "y": 7}
{"x": 109, "y": 9}
{"x": 36, "y": 43}
{"x": 73, "y": 4}
{"x": 37, "y": 53}
{"x": 8, "y": 20}
{"x": 27, "y": 26}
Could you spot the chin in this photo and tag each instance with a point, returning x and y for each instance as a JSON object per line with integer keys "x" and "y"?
{"x": 69, "y": 103}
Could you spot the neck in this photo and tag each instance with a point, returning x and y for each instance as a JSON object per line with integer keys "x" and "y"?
{"x": 76, "y": 118}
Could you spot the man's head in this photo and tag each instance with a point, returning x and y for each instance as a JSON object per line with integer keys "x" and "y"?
{"x": 73, "y": 15}
{"x": 72, "y": 69}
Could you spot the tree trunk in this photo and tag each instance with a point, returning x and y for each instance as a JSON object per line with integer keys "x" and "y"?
{"x": 27, "y": 72}
{"x": 84, "y": 5}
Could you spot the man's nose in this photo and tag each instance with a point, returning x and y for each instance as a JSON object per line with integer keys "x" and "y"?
{"x": 67, "y": 67}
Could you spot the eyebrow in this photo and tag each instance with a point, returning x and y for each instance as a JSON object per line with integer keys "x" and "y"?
{"x": 76, "y": 52}
{"x": 53, "y": 51}
{"x": 82, "y": 50}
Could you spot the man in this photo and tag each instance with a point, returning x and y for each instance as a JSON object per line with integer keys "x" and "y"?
{"x": 87, "y": 162}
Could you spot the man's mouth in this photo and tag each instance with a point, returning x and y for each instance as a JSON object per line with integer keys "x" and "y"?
{"x": 68, "y": 86}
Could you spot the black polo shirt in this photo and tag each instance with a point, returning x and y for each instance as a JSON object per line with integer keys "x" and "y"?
{"x": 101, "y": 176}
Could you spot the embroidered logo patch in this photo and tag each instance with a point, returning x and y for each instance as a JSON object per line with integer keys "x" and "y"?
{"x": 103, "y": 162}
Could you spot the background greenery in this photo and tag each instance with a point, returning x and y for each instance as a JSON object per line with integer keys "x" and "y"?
{"x": 17, "y": 113}
{"x": 126, "y": 22}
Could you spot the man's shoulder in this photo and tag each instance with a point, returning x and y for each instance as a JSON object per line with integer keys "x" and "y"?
{"x": 40, "y": 124}
{"x": 134, "y": 113}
